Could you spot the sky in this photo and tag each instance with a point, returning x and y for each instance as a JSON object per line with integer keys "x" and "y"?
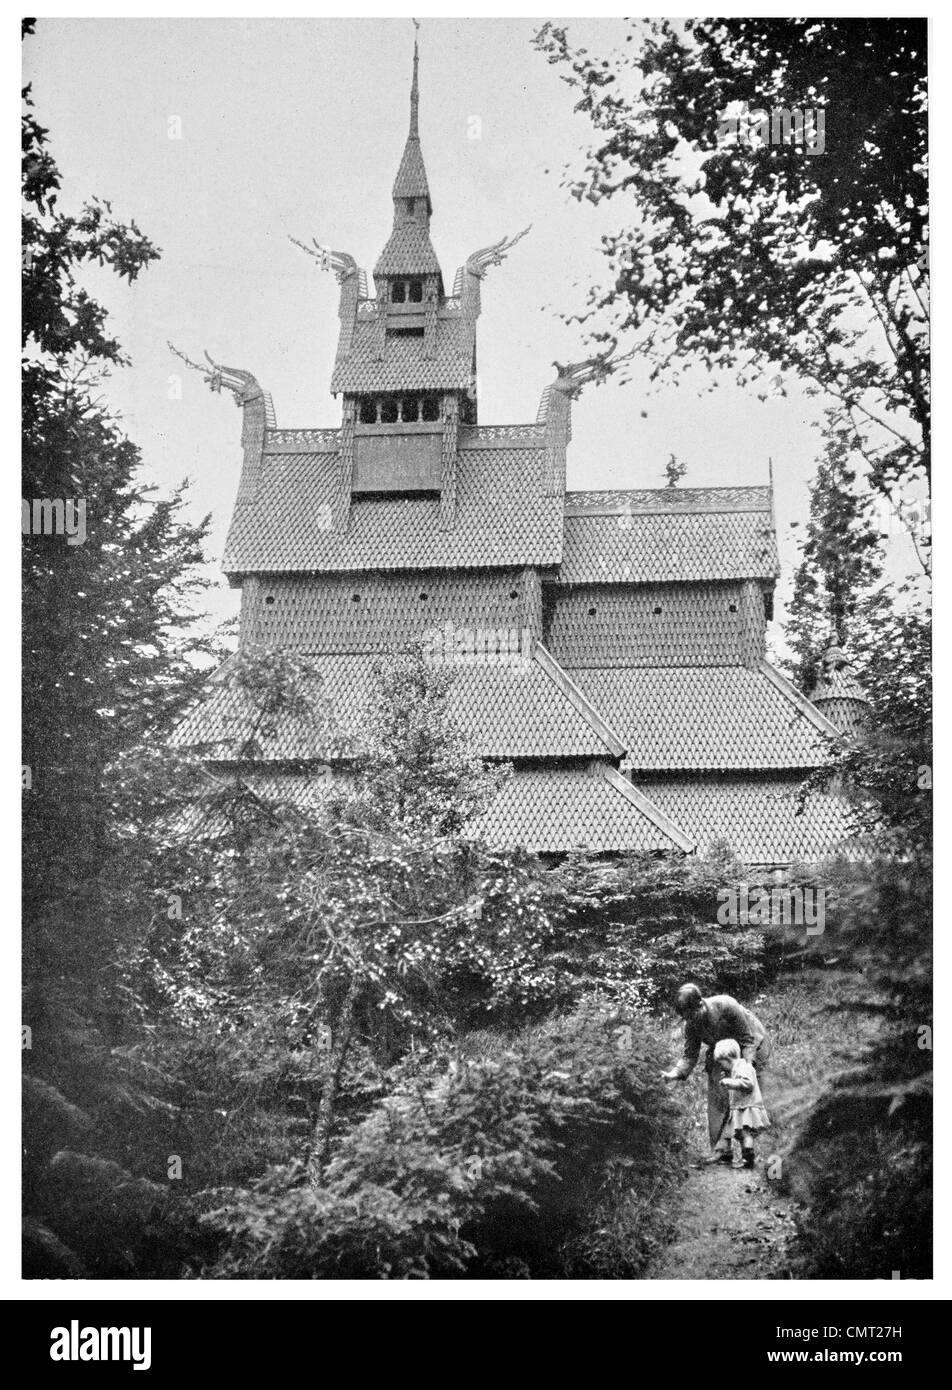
{"x": 223, "y": 138}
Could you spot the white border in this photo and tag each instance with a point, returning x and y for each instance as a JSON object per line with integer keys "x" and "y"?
{"x": 11, "y": 1285}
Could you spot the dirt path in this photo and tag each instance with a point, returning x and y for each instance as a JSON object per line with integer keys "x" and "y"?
{"x": 732, "y": 1224}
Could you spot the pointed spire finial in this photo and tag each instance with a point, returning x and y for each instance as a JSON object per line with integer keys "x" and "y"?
{"x": 411, "y": 176}
{"x": 415, "y": 89}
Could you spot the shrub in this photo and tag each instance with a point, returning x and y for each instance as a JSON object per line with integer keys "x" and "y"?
{"x": 860, "y": 1161}
{"x": 496, "y": 1165}
{"x": 635, "y": 929}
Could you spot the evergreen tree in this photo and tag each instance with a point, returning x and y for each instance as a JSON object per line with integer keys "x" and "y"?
{"x": 109, "y": 655}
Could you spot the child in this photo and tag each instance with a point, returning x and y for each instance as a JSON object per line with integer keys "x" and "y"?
{"x": 747, "y": 1106}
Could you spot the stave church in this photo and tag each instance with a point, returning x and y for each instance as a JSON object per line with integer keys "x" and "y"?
{"x": 609, "y": 645}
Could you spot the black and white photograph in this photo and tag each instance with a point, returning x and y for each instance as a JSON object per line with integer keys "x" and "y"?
{"x": 476, "y": 661}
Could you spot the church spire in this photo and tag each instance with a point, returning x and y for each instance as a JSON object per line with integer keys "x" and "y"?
{"x": 415, "y": 95}
{"x": 408, "y": 252}
{"x": 411, "y": 176}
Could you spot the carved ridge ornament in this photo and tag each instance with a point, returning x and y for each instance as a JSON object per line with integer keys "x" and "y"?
{"x": 480, "y": 261}
{"x": 341, "y": 263}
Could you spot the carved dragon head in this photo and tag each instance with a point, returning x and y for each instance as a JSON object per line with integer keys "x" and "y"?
{"x": 479, "y": 262}
{"x": 573, "y": 376}
{"x": 342, "y": 264}
{"x": 242, "y": 385}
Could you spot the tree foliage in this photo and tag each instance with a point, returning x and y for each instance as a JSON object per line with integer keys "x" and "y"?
{"x": 108, "y": 658}
{"x": 756, "y": 256}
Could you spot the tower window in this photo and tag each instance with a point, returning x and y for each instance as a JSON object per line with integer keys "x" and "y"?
{"x": 431, "y": 408}
{"x": 404, "y": 332}
{"x": 513, "y": 593}
{"x": 355, "y": 598}
{"x": 732, "y": 608}
{"x": 388, "y": 411}
{"x": 424, "y": 597}
{"x": 269, "y": 600}
{"x": 398, "y": 292}
{"x": 591, "y": 612}
{"x": 368, "y": 410}
{"x": 410, "y": 409}
{"x": 415, "y": 295}
{"x": 657, "y": 609}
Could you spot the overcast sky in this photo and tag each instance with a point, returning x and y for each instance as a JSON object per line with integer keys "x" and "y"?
{"x": 296, "y": 127}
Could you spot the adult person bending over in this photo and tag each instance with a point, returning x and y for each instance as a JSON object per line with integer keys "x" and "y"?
{"x": 708, "y": 1021}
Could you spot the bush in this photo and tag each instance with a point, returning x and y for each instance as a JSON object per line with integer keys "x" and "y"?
{"x": 860, "y": 1159}
{"x": 499, "y": 1164}
{"x": 635, "y": 929}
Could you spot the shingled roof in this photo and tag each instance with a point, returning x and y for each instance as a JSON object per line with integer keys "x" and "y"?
{"x": 517, "y": 711}
{"x": 404, "y": 365}
{"x": 409, "y": 251}
{"x": 503, "y": 517}
{"x": 761, "y": 818}
{"x": 541, "y": 810}
{"x": 703, "y": 717}
{"x": 650, "y": 536}
{"x": 550, "y": 810}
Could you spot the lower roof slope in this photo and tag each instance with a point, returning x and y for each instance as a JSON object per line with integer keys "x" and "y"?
{"x": 707, "y": 718}
{"x": 508, "y": 711}
{"x": 760, "y": 818}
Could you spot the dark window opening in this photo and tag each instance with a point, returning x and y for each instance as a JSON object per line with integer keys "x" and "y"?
{"x": 513, "y": 593}
{"x": 368, "y": 410}
{"x": 424, "y": 597}
{"x": 415, "y": 295}
{"x": 467, "y": 412}
{"x": 269, "y": 600}
{"x": 404, "y": 332}
{"x": 410, "y": 409}
{"x": 355, "y": 598}
{"x": 398, "y": 292}
{"x": 732, "y": 608}
{"x": 591, "y": 612}
{"x": 657, "y": 609}
{"x": 411, "y": 205}
{"x": 388, "y": 412}
{"x": 431, "y": 408}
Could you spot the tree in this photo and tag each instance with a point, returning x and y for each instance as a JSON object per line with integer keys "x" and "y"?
{"x": 755, "y": 255}
{"x": 109, "y": 656}
{"x": 341, "y": 932}
{"x": 106, "y": 648}
{"x": 840, "y": 563}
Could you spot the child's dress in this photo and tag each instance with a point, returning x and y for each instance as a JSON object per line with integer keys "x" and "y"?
{"x": 747, "y": 1104}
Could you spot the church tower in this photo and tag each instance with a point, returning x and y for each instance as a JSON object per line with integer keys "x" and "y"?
{"x": 406, "y": 359}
